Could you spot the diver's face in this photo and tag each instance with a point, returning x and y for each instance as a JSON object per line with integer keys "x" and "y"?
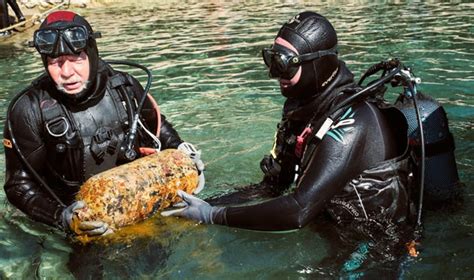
{"x": 70, "y": 72}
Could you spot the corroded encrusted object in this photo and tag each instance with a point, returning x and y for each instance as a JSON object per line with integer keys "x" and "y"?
{"x": 131, "y": 192}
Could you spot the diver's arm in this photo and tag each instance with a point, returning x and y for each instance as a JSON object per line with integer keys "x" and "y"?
{"x": 22, "y": 190}
{"x": 325, "y": 175}
{"x": 323, "y": 178}
{"x": 30, "y": 198}
{"x": 332, "y": 165}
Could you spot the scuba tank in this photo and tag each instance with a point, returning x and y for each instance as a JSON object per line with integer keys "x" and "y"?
{"x": 430, "y": 140}
{"x": 441, "y": 180}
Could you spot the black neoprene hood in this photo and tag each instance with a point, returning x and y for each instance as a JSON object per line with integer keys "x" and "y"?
{"x": 311, "y": 32}
{"x": 63, "y": 19}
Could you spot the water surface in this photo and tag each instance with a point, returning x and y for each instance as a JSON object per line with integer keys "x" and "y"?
{"x": 211, "y": 83}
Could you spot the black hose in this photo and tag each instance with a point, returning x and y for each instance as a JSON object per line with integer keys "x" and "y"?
{"x": 20, "y": 154}
{"x": 369, "y": 89}
{"x": 148, "y": 83}
{"x": 129, "y": 152}
{"x": 422, "y": 164}
{"x": 383, "y": 65}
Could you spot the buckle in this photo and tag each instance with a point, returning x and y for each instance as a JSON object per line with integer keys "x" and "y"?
{"x": 102, "y": 134}
{"x": 59, "y": 123}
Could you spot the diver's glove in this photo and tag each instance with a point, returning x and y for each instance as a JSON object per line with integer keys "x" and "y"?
{"x": 89, "y": 228}
{"x": 195, "y": 155}
{"x": 197, "y": 209}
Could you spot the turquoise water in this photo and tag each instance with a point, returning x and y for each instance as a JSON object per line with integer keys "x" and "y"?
{"x": 211, "y": 83}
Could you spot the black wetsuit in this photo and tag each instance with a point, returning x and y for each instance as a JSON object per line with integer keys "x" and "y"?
{"x": 4, "y": 18}
{"x": 93, "y": 130}
{"x": 16, "y": 9}
{"x": 359, "y": 171}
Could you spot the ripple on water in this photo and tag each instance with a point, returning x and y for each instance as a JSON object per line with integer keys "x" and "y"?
{"x": 211, "y": 83}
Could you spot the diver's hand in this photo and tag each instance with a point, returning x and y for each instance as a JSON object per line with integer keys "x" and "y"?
{"x": 195, "y": 156}
{"x": 94, "y": 228}
{"x": 68, "y": 214}
{"x": 89, "y": 228}
{"x": 195, "y": 209}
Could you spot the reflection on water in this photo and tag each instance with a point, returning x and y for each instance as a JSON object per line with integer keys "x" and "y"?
{"x": 212, "y": 84}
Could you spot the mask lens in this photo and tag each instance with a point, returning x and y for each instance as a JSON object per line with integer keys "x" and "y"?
{"x": 278, "y": 62}
{"x": 77, "y": 38}
{"x": 45, "y": 41}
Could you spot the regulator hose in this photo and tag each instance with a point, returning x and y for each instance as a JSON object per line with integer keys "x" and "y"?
{"x": 128, "y": 153}
{"x": 20, "y": 154}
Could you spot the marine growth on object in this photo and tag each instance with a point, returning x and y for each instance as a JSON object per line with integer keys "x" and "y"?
{"x": 132, "y": 192}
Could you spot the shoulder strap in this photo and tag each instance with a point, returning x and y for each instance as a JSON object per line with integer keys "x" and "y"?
{"x": 316, "y": 129}
{"x": 119, "y": 79}
{"x": 56, "y": 121}
{"x": 117, "y": 83}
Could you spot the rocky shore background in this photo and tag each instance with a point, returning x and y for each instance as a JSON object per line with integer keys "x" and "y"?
{"x": 31, "y": 7}
{"x": 35, "y": 10}
{"x": 45, "y": 4}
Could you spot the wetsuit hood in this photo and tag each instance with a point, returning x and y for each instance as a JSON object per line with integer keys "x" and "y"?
{"x": 317, "y": 105}
{"x": 310, "y": 32}
{"x": 60, "y": 20}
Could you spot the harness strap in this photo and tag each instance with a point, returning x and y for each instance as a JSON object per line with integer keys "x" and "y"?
{"x": 56, "y": 122}
{"x": 321, "y": 125}
{"x": 119, "y": 79}
{"x": 117, "y": 83}
{"x": 61, "y": 131}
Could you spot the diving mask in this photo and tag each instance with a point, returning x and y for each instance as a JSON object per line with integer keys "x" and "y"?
{"x": 56, "y": 42}
{"x": 283, "y": 63}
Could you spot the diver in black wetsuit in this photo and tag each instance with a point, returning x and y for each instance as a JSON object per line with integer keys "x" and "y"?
{"x": 359, "y": 172}
{"x": 73, "y": 122}
{"x": 5, "y": 18}
{"x": 16, "y": 9}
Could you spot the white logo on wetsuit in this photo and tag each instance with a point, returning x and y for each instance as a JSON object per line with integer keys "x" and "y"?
{"x": 339, "y": 129}
{"x": 343, "y": 123}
